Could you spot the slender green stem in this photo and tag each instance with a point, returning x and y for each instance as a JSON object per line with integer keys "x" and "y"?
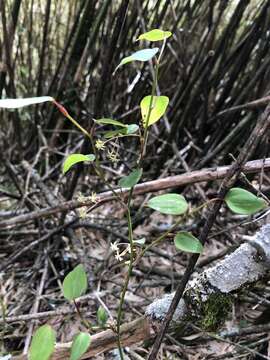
{"x": 146, "y": 124}
{"x": 153, "y": 91}
{"x": 129, "y": 220}
{"x": 84, "y": 321}
{"x": 130, "y": 267}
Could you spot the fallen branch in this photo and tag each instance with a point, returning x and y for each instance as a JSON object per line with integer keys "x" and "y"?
{"x": 143, "y": 188}
{"x": 131, "y": 333}
{"x": 219, "y": 282}
{"x": 208, "y": 296}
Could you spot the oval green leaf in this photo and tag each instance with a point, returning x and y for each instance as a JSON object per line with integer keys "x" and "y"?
{"x": 130, "y": 180}
{"x": 43, "y": 342}
{"x": 185, "y": 241}
{"x": 155, "y": 35}
{"x": 102, "y": 316}
{"x": 19, "y": 103}
{"x": 76, "y": 158}
{"x": 107, "y": 121}
{"x": 243, "y": 202}
{"x": 80, "y": 345}
{"x": 75, "y": 283}
{"x": 158, "y": 108}
{"x": 141, "y": 55}
{"x": 172, "y": 204}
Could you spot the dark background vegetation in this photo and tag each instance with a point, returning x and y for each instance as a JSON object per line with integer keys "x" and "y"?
{"x": 217, "y": 58}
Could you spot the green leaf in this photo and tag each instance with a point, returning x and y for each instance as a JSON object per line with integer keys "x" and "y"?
{"x": 127, "y": 130}
{"x": 141, "y": 55}
{"x": 43, "y": 342}
{"x": 76, "y": 158}
{"x": 131, "y": 180}
{"x": 155, "y": 35}
{"x": 158, "y": 108}
{"x": 173, "y": 204}
{"x": 243, "y": 202}
{"x": 107, "y": 121}
{"x": 18, "y": 103}
{"x": 113, "y": 133}
{"x": 185, "y": 241}
{"x": 80, "y": 345}
{"x": 102, "y": 316}
{"x": 131, "y": 129}
{"x": 75, "y": 283}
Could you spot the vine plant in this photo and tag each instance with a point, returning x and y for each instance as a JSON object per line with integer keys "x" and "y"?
{"x": 152, "y": 107}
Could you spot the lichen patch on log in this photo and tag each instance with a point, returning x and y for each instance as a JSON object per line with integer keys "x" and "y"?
{"x": 158, "y": 309}
{"x": 262, "y": 239}
{"x": 208, "y": 296}
{"x": 236, "y": 270}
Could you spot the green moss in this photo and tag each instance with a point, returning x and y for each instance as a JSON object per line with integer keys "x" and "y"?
{"x": 214, "y": 311}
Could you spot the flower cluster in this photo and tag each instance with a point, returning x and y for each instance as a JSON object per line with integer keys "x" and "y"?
{"x": 100, "y": 145}
{"x": 94, "y": 198}
{"x": 120, "y": 255}
{"x": 83, "y": 210}
{"x": 113, "y": 156}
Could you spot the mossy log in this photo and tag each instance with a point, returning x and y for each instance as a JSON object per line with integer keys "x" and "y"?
{"x": 208, "y": 296}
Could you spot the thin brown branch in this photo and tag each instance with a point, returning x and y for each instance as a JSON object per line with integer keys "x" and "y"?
{"x": 171, "y": 182}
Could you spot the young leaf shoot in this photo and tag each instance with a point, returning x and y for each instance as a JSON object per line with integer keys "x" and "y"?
{"x": 102, "y": 316}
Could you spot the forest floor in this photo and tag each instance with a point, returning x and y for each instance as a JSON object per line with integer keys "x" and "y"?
{"x": 31, "y": 285}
